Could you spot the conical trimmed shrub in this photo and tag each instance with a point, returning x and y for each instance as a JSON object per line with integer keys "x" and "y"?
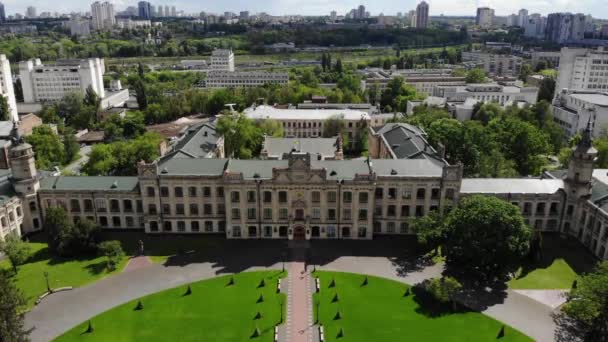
{"x": 365, "y": 281}
{"x": 501, "y": 332}
{"x": 335, "y": 299}
{"x": 340, "y": 333}
{"x": 262, "y": 283}
{"x": 139, "y": 306}
{"x": 257, "y": 316}
{"x": 337, "y": 316}
{"x": 256, "y": 332}
{"x": 333, "y": 283}
{"x": 231, "y": 281}
{"x": 407, "y": 292}
{"x": 260, "y": 299}
{"x": 90, "y": 328}
{"x": 188, "y": 291}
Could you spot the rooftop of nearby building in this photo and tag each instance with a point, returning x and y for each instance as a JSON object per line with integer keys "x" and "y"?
{"x": 406, "y": 141}
{"x": 269, "y": 112}
{"x": 511, "y": 185}
{"x": 600, "y": 99}
{"x": 199, "y": 141}
{"x": 277, "y": 147}
{"x": 221, "y": 52}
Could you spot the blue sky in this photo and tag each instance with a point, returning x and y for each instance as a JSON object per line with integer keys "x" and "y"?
{"x": 598, "y": 8}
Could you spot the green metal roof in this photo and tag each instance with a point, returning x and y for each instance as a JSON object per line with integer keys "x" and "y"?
{"x": 193, "y": 167}
{"x": 89, "y": 183}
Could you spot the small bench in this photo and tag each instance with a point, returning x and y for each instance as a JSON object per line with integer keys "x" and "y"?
{"x": 279, "y": 286}
{"x": 318, "y": 283}
{"x": 276, "y": 334}
{"x": 321, "y": 334}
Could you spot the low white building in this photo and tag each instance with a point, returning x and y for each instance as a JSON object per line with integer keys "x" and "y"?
{"x": 488, "y": 92}
{"x": 243, "y": 79}
{"x": 309, "y": 123}
{"x": 128, "y": 23}
{"x": 583, "y": 69}
{"x": 573, "y": 109}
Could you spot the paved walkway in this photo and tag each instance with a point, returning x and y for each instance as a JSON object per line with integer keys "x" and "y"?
{"x": 61, "y": 311}
{"x": 550, "y": 298}
{"x": 299, "y": 302}
{"x": 137, "y": 262}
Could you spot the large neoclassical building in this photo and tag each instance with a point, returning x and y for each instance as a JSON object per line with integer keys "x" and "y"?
{"x": 194, "y": 189}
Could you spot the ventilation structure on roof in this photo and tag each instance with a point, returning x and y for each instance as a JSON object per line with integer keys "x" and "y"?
{"x": 164, "y": 170}
{"x": 393, "y": 172}
{"x": 114, "y": 185}
{"x": 394, "y": 146}
{"x": 333, "y": 173}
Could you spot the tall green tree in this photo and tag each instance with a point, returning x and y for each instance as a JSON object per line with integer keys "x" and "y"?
{"x": 476, "y": 76}
{"x": 70, "y": 145}
{"x": 140, "y": 94}
{"x": 48, "y": 147}
{"x": 546, "y": 89}
{"x": 242, "y": 138}
{"x": 12, "y": 304}
{"x": 15, "y": 250}
{"x": 430, "y": 230}
{"x": 56, "y": 219}
{"x": 586, "y": 312}
{"x": 486, "y": 237}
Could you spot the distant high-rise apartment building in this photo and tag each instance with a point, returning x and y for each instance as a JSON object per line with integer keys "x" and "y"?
{"x": 144, "y": 10}
{"x": 2, "y": 14}
{"x": 6, "y": 87}
{"x": 222, "y": 60}
{"x": 167, "y": 11}
{"x": 103, "y": 16}
{"x": 42, "y": 83}
{"x": 422, "y": 15}
{"x": 160, "y": 11}
{"x": 522, "y": 17}
{"x": 583, "y": 69}
{"x": 562, "y": 27}
{"x": 30, "y": 12}
{"x": 535, "y": 26}
{"x": 173, "y": 11}
{"x": 361, "y": 12}
{"x": 411, "y": 15}
{"x": 333, "y": 15}
{"x": 484, "y": 17}
{"x": 244, "y": 15}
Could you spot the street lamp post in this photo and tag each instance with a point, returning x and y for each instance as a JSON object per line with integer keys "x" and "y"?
{"x": 48, "y": 286}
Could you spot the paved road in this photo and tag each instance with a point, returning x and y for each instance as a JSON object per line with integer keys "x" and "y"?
{"x": 76, "y": 165}
{"x": 61, "y": 311}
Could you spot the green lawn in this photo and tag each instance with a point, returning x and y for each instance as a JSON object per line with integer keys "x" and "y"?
{"x": 562, "y": 260}
{"x": 62, "y": 272}
{"x": 213, "y": 312}
{"x": 380, "y": 312}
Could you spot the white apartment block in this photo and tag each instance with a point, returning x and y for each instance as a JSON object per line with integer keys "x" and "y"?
{"x": 551, "y": 57}
{"x": 128, "y": 23}
{"x": 222, "y": 60}
{"x": 308, "y": 123}
{"x": 79, "y": 27}
{"x": 6, "y": 86}
{"x": 484, "y": 17}
{"x": 244, "y": 79}
{"x": 488, "y": 92}
{"x": 495, "y": 64}
{"x": 583, "y": 69}
{"x": 42, "y": 83}
{"x": 103, "y": 16}
{"x": 572, "y": 110}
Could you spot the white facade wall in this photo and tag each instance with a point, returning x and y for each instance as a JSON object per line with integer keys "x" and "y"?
{"x": 236, "y": 79}
{"x": 103, "y": 16}
{"x": 6, "y": 86}
{"x": 573, "y": 109}
{"x": 583, "y": 69}
{"x": 50, "y": 83}
{"x": 222, "y": 60}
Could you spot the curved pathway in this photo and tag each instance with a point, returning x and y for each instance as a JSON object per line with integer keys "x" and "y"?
{"x": 61, "y": 311}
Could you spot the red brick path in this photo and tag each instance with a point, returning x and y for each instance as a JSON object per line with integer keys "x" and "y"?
{"x": 137, "y": 262}
{"x": 299, "y": 308}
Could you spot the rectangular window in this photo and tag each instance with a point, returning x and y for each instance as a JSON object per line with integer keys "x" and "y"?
{"x": 236, "y": 213}
{"x": 181, "y": 226}
{"x": 390, "y": 227}
{"x": 140, "y": 206}
{"x": 251, "y": 213}
{"x": 435, "y": 193}
{"x": 268, "y": 231}
{"x": 267, "y": 196}
{"x": 251, "y": 197}
{"x": 221, "y": 209}
{"x": 152, "y": 209}
{"x": 166, "y": 209}
{"x": 331, "y": 214}
{"x": 127, "y": 206}
{"x": 283, "y": 214}
{"x": 315, "y": 196}
{"x": 208, "y": 226}
{"x": 194, "y": 226}
{"x": 206, "y": 191}
{"x": 219, "y": 192}
{"x": 362, "y": 214}
{"x": 88, "y": 205}
{"x": 407, "y": 194}
{"x": 405, "y": 210}
{"x": 419, "y": 210}
{"x": 362, "y": 232}
{"x": 74, "y": 205}
{"x": 150, "y": 191}
{"x": 130, "y": 221}
{"x": 420, "y": 193}
{"x": 392, "y": 193}
{"x": 363, "y": 197}
{"x": 378, "y": 210}
{"x": 346, "y": 214}
{"x": 193, "y": 209}
{"x": 235, "y": 197}
{"x": 331, "y": 231}
{"x": 192, "y": 191}
{"x": 404, "y": 228}
{"x": 282, "y": 196}
{"x": 116, "y": 221}
{"x": 114, "y": 206}
{"x": 391, "y": 211}
{"x": 316, "y": 213}
{"x": 331, "y": 197}
{"x": 236, "y": 231}
{"x": 164, "y": 191}
{"x": 178, "y": 191}
{"x": 347, "y": 197}
{"x": 179, "y": 209}
{"x": 267, "y": 213}
{"x": 379, "y": 193}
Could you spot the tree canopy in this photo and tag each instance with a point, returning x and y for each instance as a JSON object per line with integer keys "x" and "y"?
{"x": 12, "y": 304}
{"x": 475, "y": 76}
{"x": 485, "y": 236}
{"x": 242, "y": 137}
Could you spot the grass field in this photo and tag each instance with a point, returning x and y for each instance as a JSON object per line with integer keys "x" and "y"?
{"x": 563, "y": 260}
{"x": 380, "y": 312}
{"x": 62, "y": 272}
{"x": 214, "y": 311}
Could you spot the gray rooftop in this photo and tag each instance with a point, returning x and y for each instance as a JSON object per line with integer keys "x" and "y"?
{"x": 407, "y": 167}
{"x": 600, "y": 99}
{"x": 510, "y": 186}
{"x": 6, "y": 187}
{"x": 315, "y": 146}
{"x": 93, "y": 183}
{"x": 199, "y": 142}
{"x": 342, "y": 169}
{"x": 255, "y": 169}
{"x": 192, "y": 166}
{"x": 6, "y": 127}
{"x": 406, "y": 141}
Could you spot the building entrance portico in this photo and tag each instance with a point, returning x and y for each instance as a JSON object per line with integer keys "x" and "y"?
{"x": 299, "y": 233}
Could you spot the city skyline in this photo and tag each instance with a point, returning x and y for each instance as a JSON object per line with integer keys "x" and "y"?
{"x": 387, "y": 7}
